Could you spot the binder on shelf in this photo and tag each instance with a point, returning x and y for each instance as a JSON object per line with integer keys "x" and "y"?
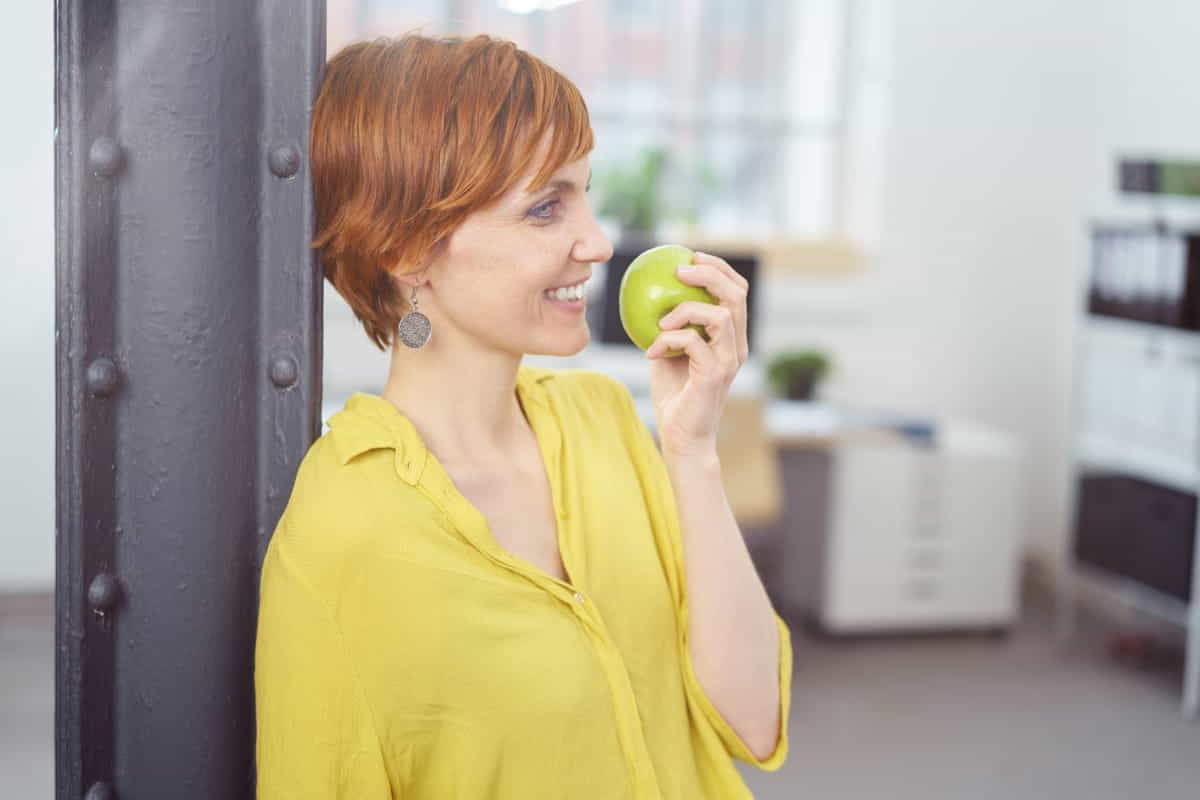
{"x": 1146, "y": 274}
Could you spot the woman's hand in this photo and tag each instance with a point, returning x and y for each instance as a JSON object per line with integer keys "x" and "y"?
{"x": 689, "y": 391}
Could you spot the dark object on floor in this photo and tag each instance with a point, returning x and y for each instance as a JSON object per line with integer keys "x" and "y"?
{"x": 1143, "y": 651}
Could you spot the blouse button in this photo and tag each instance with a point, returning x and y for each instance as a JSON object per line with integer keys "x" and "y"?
{"x": 579, "y": 597}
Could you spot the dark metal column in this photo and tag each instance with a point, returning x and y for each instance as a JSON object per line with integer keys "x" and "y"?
{"x": 189, "y": 366}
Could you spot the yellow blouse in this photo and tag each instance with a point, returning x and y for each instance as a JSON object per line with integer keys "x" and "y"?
{"x": 401, "y": 652}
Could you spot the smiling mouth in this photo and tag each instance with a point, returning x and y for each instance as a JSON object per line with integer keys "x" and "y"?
{"x": 566, "y": 293}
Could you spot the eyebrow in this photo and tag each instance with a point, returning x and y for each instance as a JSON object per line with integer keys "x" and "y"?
{"x": 562, "y": 184}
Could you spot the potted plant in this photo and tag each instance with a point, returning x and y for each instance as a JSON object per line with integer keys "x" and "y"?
{"x": 639, "y": 195}
{"x": 794, "y": 374}
{"x": 631, "y": 196}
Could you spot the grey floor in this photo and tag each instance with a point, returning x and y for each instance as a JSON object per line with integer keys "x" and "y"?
{"x": 26, "y": 699}
{"x": 962, "y": 716}
{"x": 967, "y": 716}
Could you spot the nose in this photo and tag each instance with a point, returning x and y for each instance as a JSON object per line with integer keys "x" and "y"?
{"x": 592, "y": 246}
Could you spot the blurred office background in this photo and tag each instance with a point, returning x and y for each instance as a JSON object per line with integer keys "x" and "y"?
{"x": 976, "y": 221}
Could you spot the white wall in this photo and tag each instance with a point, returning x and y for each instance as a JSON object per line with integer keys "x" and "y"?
{"x": 1003, "y": 122}
{"x": 27, "y": 300}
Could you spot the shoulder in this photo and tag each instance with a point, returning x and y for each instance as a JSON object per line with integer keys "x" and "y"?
{"x": 370, "y": 457}
{"x": 337, "y": 510}
{"x": 327, "y": 486}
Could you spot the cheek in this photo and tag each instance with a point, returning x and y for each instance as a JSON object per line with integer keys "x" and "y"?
{"x": 501, "y": 277}
{"x": 488, "y": 301}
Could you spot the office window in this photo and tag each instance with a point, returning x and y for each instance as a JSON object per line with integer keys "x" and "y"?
{"x": 747, "y": 98}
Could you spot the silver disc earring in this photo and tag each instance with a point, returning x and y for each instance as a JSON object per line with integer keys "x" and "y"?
{"x": 415, "y": 328}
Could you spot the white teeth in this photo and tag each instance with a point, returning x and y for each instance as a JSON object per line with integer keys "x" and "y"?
{"x": 566, "y": 293}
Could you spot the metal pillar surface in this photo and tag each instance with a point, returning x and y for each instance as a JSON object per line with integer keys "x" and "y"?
{"x": 188, "y": 384}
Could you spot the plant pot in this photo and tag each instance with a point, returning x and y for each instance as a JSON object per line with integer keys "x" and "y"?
{"x": 800, "y": 385}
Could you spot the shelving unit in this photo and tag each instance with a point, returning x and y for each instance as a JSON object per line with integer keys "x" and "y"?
{"x": 1136, "y": 438}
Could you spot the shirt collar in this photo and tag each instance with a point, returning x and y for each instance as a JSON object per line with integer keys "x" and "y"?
{"x": 369, "y": 422}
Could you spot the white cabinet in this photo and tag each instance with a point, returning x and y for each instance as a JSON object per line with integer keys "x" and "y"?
{"x": 921, "y": 536}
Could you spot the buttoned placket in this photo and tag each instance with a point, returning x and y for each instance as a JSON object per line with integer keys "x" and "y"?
{"x": 551, "y": 443}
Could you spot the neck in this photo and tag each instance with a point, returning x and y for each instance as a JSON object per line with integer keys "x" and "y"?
{"x": 461, "y": 400}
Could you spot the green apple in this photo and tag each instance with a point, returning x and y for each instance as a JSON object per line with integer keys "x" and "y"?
{"x": 649, "y": 290}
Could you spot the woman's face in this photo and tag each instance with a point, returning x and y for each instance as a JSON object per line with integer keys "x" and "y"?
{"x": 490, "y": 280}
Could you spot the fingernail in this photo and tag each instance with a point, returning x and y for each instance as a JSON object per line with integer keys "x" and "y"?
{"x": 687, "y": 267}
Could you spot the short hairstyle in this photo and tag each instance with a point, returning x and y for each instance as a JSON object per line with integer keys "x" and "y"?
{"x": 409, "y": 136}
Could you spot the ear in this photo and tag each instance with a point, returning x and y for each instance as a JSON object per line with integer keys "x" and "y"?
{"x": 409, "y": 279}
{"x": 423, "y": 274}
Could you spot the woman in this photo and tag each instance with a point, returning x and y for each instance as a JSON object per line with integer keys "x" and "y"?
{"x": 477, "y": 589}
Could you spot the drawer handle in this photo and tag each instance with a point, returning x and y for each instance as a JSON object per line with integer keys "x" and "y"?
{"x": 923, "y": 589}
{"x": 926, "y": 529}
{"x": 925, "y": 559}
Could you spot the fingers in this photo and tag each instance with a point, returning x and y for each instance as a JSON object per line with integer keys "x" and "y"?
{"x": 719, "y": 284}
{"x": 729, "y": 288}
{"x": 688, "y": 340}
{"x": 723, "y": 266}
{"x": 717, "y": 321}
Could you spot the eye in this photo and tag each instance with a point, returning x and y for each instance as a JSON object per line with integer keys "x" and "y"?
{"x": 544, "y": 211}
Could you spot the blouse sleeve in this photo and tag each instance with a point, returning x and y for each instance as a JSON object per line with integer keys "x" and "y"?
{"x": 315, "y": 737}
{"x": 664, "y": 517}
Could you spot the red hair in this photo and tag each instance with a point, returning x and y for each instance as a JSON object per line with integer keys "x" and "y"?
{"x": 409, "y": 136}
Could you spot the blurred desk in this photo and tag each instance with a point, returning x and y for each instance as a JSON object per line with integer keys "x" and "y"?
{"x": 885, "y": 522}
{"x": 883, "y": 531}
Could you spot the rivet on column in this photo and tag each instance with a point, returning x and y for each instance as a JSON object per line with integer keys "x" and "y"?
{"x": 102, "y": 377}
{"x": 100, "y": 791}
{"x": 284, "y": 160}
{"x": 105, "y": 156}
{"x": 104, "y": 593}
{"x": 284, "y": 371}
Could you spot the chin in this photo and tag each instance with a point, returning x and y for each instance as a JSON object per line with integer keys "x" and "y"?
{"x": 563, "y": 347}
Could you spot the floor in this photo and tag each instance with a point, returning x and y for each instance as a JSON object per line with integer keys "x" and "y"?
{"x": 966, "y": 716}
{"x": 26, "y": 699}
{"x": 954, "y": 716}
